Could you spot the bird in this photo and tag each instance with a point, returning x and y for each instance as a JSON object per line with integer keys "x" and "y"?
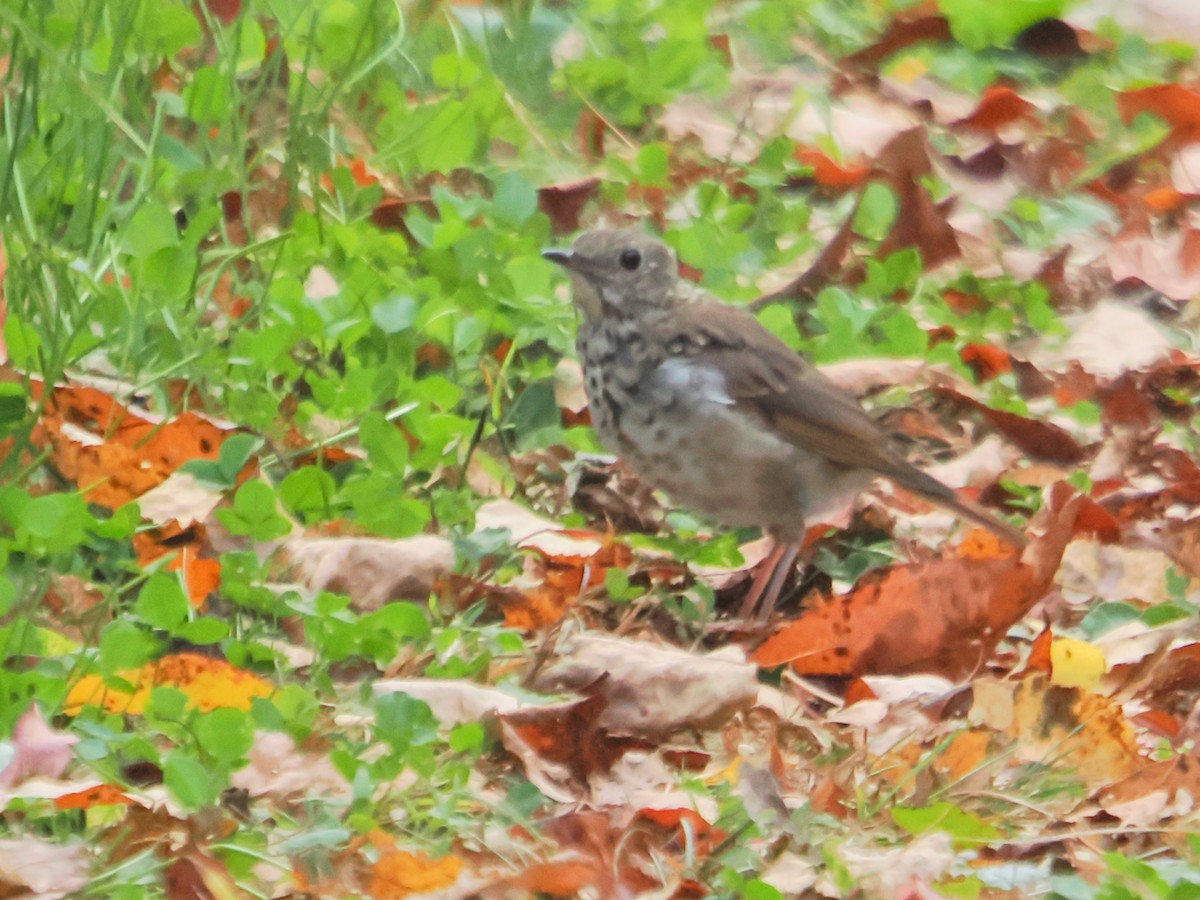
{"x": 707, "y": 405}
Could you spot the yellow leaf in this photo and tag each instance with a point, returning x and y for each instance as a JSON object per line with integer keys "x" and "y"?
{"x": 1076, "y": 663}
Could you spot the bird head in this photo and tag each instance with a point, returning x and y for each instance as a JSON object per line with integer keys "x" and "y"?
{"x": 622, "y": 273}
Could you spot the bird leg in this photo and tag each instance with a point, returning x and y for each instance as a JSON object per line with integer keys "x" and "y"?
{"x": 768, "y": 581}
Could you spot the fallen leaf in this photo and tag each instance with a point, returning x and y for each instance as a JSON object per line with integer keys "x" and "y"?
{"x": 1168, "y": 262}
{"x": 563, "y": 203}
{"x": 903, "y": 31}
{"x": 48, "y": 871}
{"x": 289, "y": 776}
{"x": 1036, "y": 437}
{"x": 371, "y": 571}
{"x": 38, "y": 750}
{"x": 209, "y": 684}
{"x": 562, "y": 745}
{"x": 1177, "y": 105}
{"x": 452, "y": 701}
{"x": 652, "y": 690}
{"x": 999, "y": 106}
{"x": 1061, "y": 726}
{"x": 941, "y": 617}
{"x": 115, "y": 456}
{"x": 1161, "y": 790}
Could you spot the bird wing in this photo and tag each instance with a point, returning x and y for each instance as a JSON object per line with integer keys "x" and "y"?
{"x": 768, "y": 381}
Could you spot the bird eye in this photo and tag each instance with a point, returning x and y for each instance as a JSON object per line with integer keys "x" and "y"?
{"x": 630, "y": 259}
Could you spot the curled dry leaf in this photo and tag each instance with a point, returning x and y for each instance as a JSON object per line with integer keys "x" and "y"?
{"x": 1169, "y": 263}
{"x": 999, "y": 106}
{"x": 563, "y": 203}
{"x": 282, "y": 771}
{"x": 371, "y": 571}
{"x": 941, "y": 617}
{"x": 452, "y": 701}
{"x": 1038, "y": 438}
{"x": 31, "y": 867}
{"x": 562, "y": 745}
{"x": 904, "y": 31}
{"x": 651, "y": 690}
{"x": 1162, "y": 790}
{"x": 1113, "y": 572}
{"x": 181, "y": 497}
{"x": 1063, "y": 726}
{"x": 38, "y": 750}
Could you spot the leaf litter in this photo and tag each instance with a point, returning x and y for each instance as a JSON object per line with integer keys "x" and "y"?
{"x": 918, "y": 730}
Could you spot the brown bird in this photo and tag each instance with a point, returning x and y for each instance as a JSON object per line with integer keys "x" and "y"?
{"x": 706, "y": 404}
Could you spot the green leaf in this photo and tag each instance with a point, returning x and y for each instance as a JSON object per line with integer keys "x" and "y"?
{"x": 190, "y": 782}
{"x": 14, "y": 405}
{"x": 876, "y": 211}
{"x": 254, "y": 513}
{"x": 654, "y": 165}
{"x": 161, "y": 603}
{"x": 466, "y": 738}
{"x": 125, "y": 646}
{"x": 404, "y": 722}
{"x": 166, "y": 704}
{"x": 1104, "y": 617}
{"x": 223, "y": 472}
{"x": 51, "y": 523}
{"x": 963, "y": 826}
{"x": 8, "y": 594}
{"x": 395, "y": 314}
{"x": 386, "y": 445}
{"x": 400, "y": 619}
{"x": 760, "y": 890}
{"x": 977, "y": 24}
{"x": 205, "y": 630}
{"x": 225, "y": 734}
{"x": 206, "y": 96}
{"x": 515, "y": 199}
{"x": 151, "y": 229}
{"x": 307, "y": 492}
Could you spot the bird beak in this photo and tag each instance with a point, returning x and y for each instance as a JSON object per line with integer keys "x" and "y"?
{"x": 563, "y": 257}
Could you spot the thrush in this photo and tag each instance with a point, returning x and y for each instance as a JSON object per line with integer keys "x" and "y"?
{"x": 707, "y": 405}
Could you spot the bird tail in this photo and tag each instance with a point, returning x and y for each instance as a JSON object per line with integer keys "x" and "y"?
{"x": 927, "y": 486}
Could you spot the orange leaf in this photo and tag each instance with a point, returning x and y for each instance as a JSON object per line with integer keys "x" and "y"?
{"x": 1178, "y": 106}
{"x": 202, "y": 576}
{"x": 119, "y": 456}
{"x": 829, "y": 173}
{"x": 998, "y": 107}
{"x": 941, "y": 617}
{"x": 986, "y": 360}
{"x": 398, "y": 873}
{"x": 100, "y": 795}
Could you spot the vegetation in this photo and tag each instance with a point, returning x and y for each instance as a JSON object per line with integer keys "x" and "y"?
{"x": 315, "y": 582}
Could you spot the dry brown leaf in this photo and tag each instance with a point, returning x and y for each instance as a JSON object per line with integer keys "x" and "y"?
{"x": 48, "y": 871}
{"x": 371, "y": 571}
{"x": 652, "y": 690}
{"x": 563, "y": 203}
{"x": 38, "y": 750}
{"x": 1162, "y": 790}
{"x": 1168, "y": 262}
{"x": 452, "y": 701}
{"x": 562, "y": 745}
{"x": 1037, "y": 437}
{"x": 1060, "y": 726}
{"x": 280, "y": 770}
